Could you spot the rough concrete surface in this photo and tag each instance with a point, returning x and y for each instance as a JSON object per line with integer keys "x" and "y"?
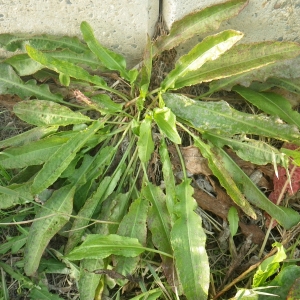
{"x": 121, "y": 25}
{"x": 260, "y": 20}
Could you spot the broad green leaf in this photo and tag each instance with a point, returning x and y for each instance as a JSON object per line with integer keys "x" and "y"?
{"x": 219, "y": 118}
{"x": 62, "y": 157}
{"x": 233, "y": 220}
{"x": 15, "y": 194}
{"x": 133, "y": 225}
{"x": 13, "y": 42}
{"x": 58, "y": 208}
{"x": 219, "y": 170}
{"x": 45, "y": 113}
{"x": 85, "y": 213}
{"x": 269, "y": 266}
{"x": 286, "y": 217}
{"x": 11, "y": 83}
{"x": 271, "y": 103}
{"x": 105, "y": 105}
{"x": 28, "y": 136}
{"x": 209, "y": 49}
{"x": 201, "y": 22}
{"x": 166, "y": 122}
{"x": 158, "y": 218}
{"x": 145, "y": 143}
{"x": 88, "y": 280}
{"x": 109, "y": 59}
{"x": 239, "y": 59}
{"x": 169, "y": 179}
{"x": 188, "y": 242}
{"x": 34, "y": 153}
{"x": 97, "y": 246}
{"x": 65, "y": 67}
{"x": 255, "y": 151}
{"x": 24, "y": 65}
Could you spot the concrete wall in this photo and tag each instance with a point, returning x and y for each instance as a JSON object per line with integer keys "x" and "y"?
{"x": 123, "y": 24}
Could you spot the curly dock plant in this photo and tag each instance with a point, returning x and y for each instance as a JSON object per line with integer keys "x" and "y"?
{"x": 85, "y": 163}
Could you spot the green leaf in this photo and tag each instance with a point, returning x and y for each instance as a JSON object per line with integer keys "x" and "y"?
{"x": 88, "y": 280}
{"x": 188, "y": 242}
{"x": 41, "y": 113}
{"x": 145, "y": 143}
{"x": 169, "y": 178}
{"x": 271, "y": 103}
{"x": 65, "y": 67}
{"x": 133, "y": 225}
{"x": 239, "y": 59}
{"x": 13, "y": 42}
{"x": 289, "y": 84}
{"x": 158, "y": 217}
{"x": 166, "y": 122}
{"x": 34, "y": 153}
{"x": 85, "y": 213}
{"x": 269, "y": 266}
{"x": 15, "y": 194}
{"x": 286, "y": 217}
{"x": 209, "y": 49}
{"x": 109, "y": 59}
{"x": 257, "y": 152}
{"x": 11, "y": 83}
{"x": 219, "y": 118}
{"x": 105, "y": 105}
{"x": 28, "y": 136}
{"x": 146, "y": 70}
{"x": 295, "y": 154}
{"x": 97, "y": 246}
{"x": 62, "y": 157}
{"x": 233, "y": 220}
{"x": 208, "y": 19}
{"x": 55, "y": 214}
{"x": 42, "y": 293}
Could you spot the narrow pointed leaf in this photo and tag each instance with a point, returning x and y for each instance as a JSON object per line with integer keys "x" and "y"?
{"x": 158, "y": 218}
{"x": 13, "y": 42}
{"x": 106, "y": 105}
{"x": 34, "y": 153}
{"x": 166, "y": 122}
{"x": 233, "y": 220}
{"x": 224, "y": 177}
{"x": 169, "y": 178}
{"x": 85, "y": 213}
{"x": 41, "y": 231}
{"x": 271, "y": 103}
{"x": 61, "y": 158}
{"x": 28, "y": 136}
{"x": 209, "y": 49}
{"x": 220, "y": 118}
{"x": 146, "y": 70}
{"x": 109, "y": 59}
{"x": 133, "y": 225}
{"x": 257, "y": 152}
{"x": 292, "y": 85}
{"x": 285, "y": 216}
{"x": 65, "y": 67}
{"x": 97, "y": 246}
{"x": 188, "y": 242}
{"x": 145, "y": 143}
{"x": 41, "y": 113}
{"x": 11, "y": 83}
{"x": 239, "y": 59}
{"x": 208, "y": 19}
